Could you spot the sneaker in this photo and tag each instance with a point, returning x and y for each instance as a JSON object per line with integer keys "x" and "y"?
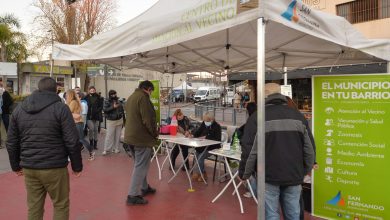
{"x": 117, "y": 151}
{"x": 148, "y": 191}
{"x": 136, "y": 200}
{"x": 247, "y": 195}
{"x": 104, "y": 153}
{"x": 91, "y": 156}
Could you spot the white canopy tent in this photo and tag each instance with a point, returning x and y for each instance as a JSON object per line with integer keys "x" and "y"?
{"x": 184, "y": 86}
{"x": 219, "y": 36}
{"x": 206, "y": 35}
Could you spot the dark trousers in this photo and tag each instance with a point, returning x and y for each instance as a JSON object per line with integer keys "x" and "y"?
{"x": 175, "y": 153}
{"x": 5, "y": 118}
{"x": 55, "y": 182}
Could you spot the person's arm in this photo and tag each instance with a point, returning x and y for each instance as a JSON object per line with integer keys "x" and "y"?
{"x": 216, "y": 133}
{"x": 13, "y": 143}
{"x": 148, "y": 116}
{"x": 251, "y": 162}
{"x": 71, "y": 139}
{"x": 99, "y": 103}
{"x": 247, "y": 142}
{"x": 199, "y": 132}
{"x": 313, "y": 143}
{"x": 108, "y": 106}
{"x": 308, "y": 153}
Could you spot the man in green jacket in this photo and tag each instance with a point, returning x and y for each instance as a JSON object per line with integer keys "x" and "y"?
{"x": 140, "y": 136}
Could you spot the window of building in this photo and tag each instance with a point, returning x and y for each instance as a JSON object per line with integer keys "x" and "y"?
{"x": 364, "y": 10}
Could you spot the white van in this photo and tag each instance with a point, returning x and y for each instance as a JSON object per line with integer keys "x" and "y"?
{"x": 207, "y": 93}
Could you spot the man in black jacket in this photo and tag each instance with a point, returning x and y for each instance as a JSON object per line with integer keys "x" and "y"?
{"x": 41, "y": 136}
{"x": 289, "y": 154}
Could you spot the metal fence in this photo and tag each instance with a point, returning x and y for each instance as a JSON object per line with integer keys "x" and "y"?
{"x": 228, "y": 115}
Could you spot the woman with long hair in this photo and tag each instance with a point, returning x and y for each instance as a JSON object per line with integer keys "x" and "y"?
{"x": 183, "y": 128}
{"x": 74, "y": 104}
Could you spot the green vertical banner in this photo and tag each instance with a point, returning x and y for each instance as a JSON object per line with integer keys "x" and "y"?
{"x": 155, "y": 99}
{"x": 351, "y": 115}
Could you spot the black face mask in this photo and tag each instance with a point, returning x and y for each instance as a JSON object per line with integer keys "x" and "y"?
{"x": 114, "y": 97}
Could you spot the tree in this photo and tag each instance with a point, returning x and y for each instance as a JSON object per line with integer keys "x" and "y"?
{"x": 73, "y": 22}
{"x": 13, "y": 43}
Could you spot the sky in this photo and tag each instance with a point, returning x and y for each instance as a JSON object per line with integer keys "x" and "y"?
{"x": 127, "y": 9}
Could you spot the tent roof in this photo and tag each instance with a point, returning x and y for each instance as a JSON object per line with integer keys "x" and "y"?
{"x": 184, "y": 86}
{"x": 199, "y": 36}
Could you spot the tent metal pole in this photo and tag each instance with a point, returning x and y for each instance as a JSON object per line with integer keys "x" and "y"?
{"x": 260, "y": 118}
{"x": 105, "y": 80}
{"x": 284, "y": 69}
{"x": 170, "y": 97}
{"x": 388, "y": 67}
{"x": 285, "y": 75}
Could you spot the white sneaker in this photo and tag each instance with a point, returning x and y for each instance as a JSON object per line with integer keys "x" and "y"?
{"x": 104, "y": 153}
{"x": 91, "y": 156}
{"x": 247, "y": 195}
{"x": 117, "y": 151}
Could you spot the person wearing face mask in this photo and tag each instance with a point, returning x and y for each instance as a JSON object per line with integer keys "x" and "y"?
{"x": 94, "y": 115}
{"x": 209, "y": 129}
{"x": 183, "y": 128}
{"x": 140, "y": 137}
{"x": 114, "y": 113}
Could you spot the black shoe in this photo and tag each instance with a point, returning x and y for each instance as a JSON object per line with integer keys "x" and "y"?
{"x": 148, "y": 191}
{"x": 136, "y": 200}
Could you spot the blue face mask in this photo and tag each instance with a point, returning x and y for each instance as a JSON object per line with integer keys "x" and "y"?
{"x": 207, "y": 123}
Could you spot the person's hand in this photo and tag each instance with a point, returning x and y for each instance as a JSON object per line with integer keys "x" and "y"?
{"x": 315, "y": 166}
{"x": 241, "y": 180}
{"x": 77, "y": 174}
{"x": 19, "y": 173}
{"x": 116, "y": 105}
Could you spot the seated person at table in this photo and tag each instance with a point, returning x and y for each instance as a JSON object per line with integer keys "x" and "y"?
{"x": 209, "y": 129}
{"x": 183, "y": 128}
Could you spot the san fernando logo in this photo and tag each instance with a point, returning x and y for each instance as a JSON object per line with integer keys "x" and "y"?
{"x": 291, "y": 12}
{"x": 337, "y": 200}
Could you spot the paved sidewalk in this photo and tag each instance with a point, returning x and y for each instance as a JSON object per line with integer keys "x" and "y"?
{"x": 101, "y": 191}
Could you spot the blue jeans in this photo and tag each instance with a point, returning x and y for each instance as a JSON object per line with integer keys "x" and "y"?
{"x": 201, "y": 160}
{"x": 253, "y": 182}
{"x": 80, "y": 130}
{"x": 288, "y": 196}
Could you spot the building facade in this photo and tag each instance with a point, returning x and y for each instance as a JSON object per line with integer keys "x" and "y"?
{"x": 371, "y": 17}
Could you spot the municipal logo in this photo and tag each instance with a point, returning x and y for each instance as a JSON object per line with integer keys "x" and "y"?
{"x": 338, "y": 200}
{"x": 291, "y": 12}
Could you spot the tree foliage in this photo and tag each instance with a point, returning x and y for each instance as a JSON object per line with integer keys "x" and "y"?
{"x": 12, "y": 41}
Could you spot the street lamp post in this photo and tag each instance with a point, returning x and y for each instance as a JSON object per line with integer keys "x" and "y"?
{"x": 51, "y": 55}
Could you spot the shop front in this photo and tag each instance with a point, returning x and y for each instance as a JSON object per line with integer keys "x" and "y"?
{"x": 32, "y": 73}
